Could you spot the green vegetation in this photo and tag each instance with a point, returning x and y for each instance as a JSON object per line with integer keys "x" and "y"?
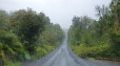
{"x": 99, "y": 39}
{"x": 26, "y": 35}
{"x": 14, "y": 64}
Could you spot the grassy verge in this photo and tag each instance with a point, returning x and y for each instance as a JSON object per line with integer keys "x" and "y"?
{"x": 101, "y": 52}
{"x": 14, "y": 64}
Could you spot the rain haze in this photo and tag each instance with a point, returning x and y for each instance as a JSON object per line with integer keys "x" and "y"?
{"x": 59, "y": 11}
{"x": 59, "y": 32}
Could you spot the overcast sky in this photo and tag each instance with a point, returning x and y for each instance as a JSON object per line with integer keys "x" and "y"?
{"x": 59, "y": 11}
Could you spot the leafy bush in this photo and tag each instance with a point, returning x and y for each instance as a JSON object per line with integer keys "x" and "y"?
{"x": 11, "y": 47}
{"x": 42, "y": 51}
{"x": 93, "y": 51}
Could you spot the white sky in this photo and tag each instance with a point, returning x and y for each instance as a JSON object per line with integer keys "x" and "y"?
{"x": 59, "y": 11}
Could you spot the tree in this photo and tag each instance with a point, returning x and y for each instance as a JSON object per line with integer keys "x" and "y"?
{"x": 4, "y": 22}
{"x": 115, "y": 9}
{"x": 102, "y": 34}
{"x": 28, "y": 26}
{"x": 26, "y": 35}
{"x": 79, "y": 30}
{"x": 10, "y": 46}
{"x": 52, "y": 35}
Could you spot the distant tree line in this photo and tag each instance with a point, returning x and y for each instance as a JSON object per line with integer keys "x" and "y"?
{"x": 26, "y": 35}
{"x": 97, "y": 38}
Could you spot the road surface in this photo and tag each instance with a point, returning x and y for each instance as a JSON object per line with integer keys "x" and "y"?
{"x": 64, "y": 57}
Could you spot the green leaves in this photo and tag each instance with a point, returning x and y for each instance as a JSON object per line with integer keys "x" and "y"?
{"x": 28, "y": 26}
{"x": 51, "y": 35}
{"x": 4, "y": 24}
{"x": 97, "y": 38}
{"x": 82, "y": 31}
{"x": 25, "y": 35}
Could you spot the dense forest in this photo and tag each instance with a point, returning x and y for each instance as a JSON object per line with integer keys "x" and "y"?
{"x": 26, "y": 35}
{"x": 100, "y": 39}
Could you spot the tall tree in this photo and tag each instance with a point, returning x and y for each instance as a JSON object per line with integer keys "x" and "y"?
{"x": 115, "y": 9}
{"x": 28, "y": 26}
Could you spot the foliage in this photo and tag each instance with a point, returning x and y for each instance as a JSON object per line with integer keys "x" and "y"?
{"x": 97, "y": 38}
{"x": 28, "y": 26}
{"x": 11, "y": 47}
{"x": 4, "y": 23}
{"x": 43, "y": 50}
{"x": 50, "y": 38}
{"x": 52, "y": 35}
{"x": 26, "y": 35}
{"x": 14, "y": 64}
{"x": 93, "y": 51}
